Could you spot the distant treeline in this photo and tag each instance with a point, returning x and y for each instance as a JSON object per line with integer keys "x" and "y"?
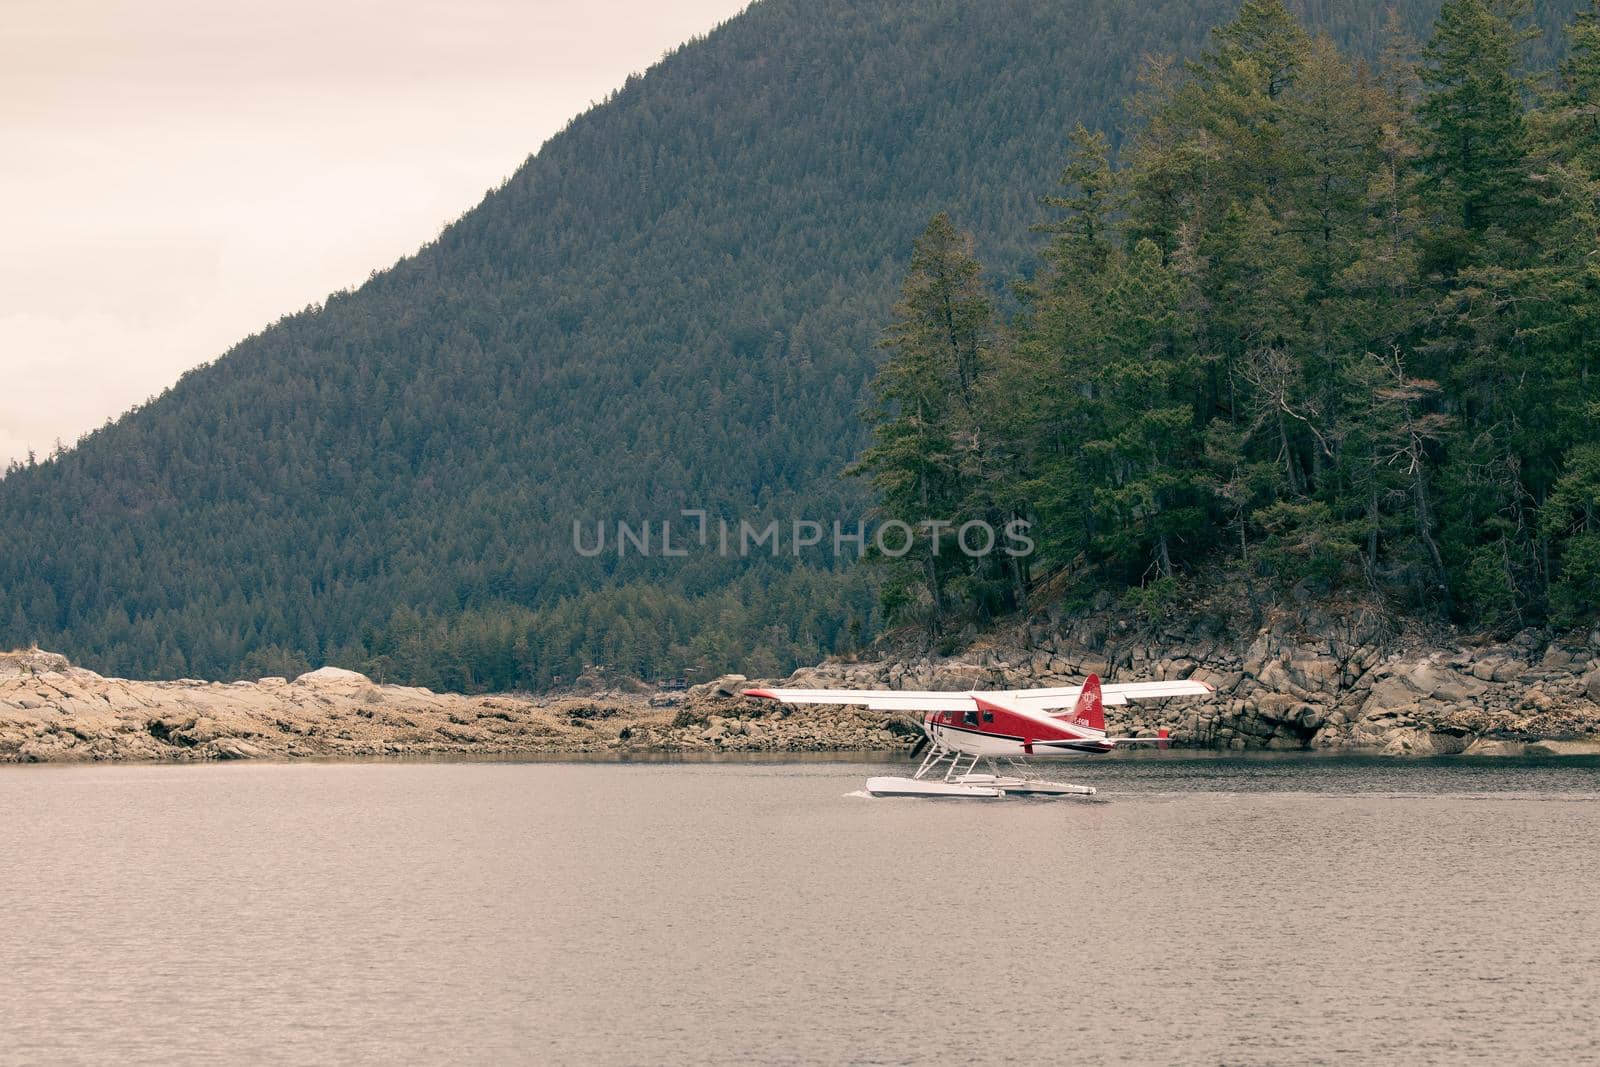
{"x": 1333, "y": 322}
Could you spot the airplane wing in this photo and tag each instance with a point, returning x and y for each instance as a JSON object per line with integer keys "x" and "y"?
{"x": 876, "y": 699}
{"x": 1067, "y": 695}
{"x": 1157, "y": 690}
{"x": 1047, "y": 699}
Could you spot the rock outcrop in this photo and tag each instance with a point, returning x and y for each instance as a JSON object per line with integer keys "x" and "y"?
{"x": 1307, "y": 682}
{"x": 1311, "y": 682}
{"x": 51, "y": 711}
{"x": 715, "y": 716}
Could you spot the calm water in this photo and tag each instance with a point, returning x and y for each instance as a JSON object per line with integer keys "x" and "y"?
{"x": 1200, "y": 911}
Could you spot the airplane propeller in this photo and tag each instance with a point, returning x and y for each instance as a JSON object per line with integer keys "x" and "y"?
{"x": 922, "y": 743}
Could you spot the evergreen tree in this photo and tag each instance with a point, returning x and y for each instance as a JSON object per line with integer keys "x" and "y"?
{"x": 1044, "y": 382}
{"x": 1472, "y": 125}
{"x": 1142, "y": 459}
{"x": 924, "y": 421}
{"x": 1570, "y": 114}
{"x": 1571, "y": 518}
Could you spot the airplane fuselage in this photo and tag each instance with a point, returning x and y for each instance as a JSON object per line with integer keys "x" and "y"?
{"x": 992, "y": 730}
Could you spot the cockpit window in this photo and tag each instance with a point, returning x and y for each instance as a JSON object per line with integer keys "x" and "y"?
{"x": 988, "y": 716}
{"x": 971, "y": 717}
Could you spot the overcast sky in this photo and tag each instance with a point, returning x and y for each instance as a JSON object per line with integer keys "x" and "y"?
{"x": 175, "y": 174}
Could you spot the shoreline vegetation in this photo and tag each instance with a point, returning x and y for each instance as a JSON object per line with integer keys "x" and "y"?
{"x": 1359, "y": 685}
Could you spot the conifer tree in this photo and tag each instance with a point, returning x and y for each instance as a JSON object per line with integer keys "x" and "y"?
{"x": 1569, "y": 117}
{"x": 1571, "y": 518}
{"x": 1143, "y": 461}
{"x": 1080, "y": 241}
{"x": 1264, "y": 46}
{"x": 1045, "y": 378}
{"x": 923, "y": 421}
{"x": 1471, "y": 118}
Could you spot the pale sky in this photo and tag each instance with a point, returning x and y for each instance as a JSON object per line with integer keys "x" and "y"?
{"x": 176, "y": 174}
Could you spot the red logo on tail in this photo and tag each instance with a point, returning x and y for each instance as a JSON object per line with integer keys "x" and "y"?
{"x": 1090, "y": 710}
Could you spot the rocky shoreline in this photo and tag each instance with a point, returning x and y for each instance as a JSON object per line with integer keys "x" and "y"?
{"x": 1366, "y": 688}
{"x": 52, "y": 711}
{"x": 1306, "y": 680}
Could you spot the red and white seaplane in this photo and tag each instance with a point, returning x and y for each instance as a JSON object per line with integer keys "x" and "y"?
{"x": 1015, "y": 725}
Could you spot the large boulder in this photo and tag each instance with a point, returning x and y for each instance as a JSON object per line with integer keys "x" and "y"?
{"x": 1443, "y": 684}
{"x": 32, "y": 661}
{"x": 1278, "y": 707}
{"x": 1555, "y": 657}
{"x": 960, "y": 677}
{"x": 1498, "y": 669}
{"x": 1484, "y": 746}
{"x": 1314, "y": 674}
{"x": 1412, "y": 742}
{"x": 332, "y": 677}
{"x": 225, "y": 748}
{"x": 1391, "y": 694}
{"x": 1552, "y": 747}
{"x": 729, "y": 685}
{"x": 1088, "y": 665}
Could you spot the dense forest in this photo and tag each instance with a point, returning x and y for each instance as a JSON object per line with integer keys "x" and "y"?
{"x": 1324, "y": 323}
{"x": 675, "y": 305}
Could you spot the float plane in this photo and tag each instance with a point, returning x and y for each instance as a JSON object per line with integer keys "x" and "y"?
{"x": 1014, "y": 725}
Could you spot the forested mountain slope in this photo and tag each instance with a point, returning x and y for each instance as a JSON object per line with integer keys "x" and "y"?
{"x": 1327, "y": 331}
{"x": 673, "y": 304}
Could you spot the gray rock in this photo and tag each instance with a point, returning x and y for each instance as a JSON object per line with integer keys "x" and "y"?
{"x": 332, "y": 676}
{"x": 1442, "y": 683}
{"x": 1390, "y": 694}
{"x": 728, "y": 685}
{"x": 1486, "y": 747}
{"x": 1314, "y": 674}
{"x": 1274, "y": 675}
{"x": 33, "y": 661}
{"x": 1311, "y": 717}
{"x": 1508, "y": 670}
{"x": 1555, "y": 657}
{"x": 1277, "y": 707}
{"x": 1408, "y": 742}
{"x": 1331, "y": 735}
{"x": 1564, "y": 748}
{"x": 1222, "y": 682}
{"x": 1094, "y": 665}
{"x": 959, "y": 677}
{"x": 233, "y": 748}
{"x": 1255, "y": 658}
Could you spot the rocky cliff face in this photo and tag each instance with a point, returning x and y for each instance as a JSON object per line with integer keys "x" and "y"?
{"x": 1358, "y": 683}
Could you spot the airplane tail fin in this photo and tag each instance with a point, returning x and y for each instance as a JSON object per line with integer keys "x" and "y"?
{"x": 1090, "y": 710}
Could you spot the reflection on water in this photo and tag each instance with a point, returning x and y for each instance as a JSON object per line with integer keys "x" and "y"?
{"x": 1200, "y": 909}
